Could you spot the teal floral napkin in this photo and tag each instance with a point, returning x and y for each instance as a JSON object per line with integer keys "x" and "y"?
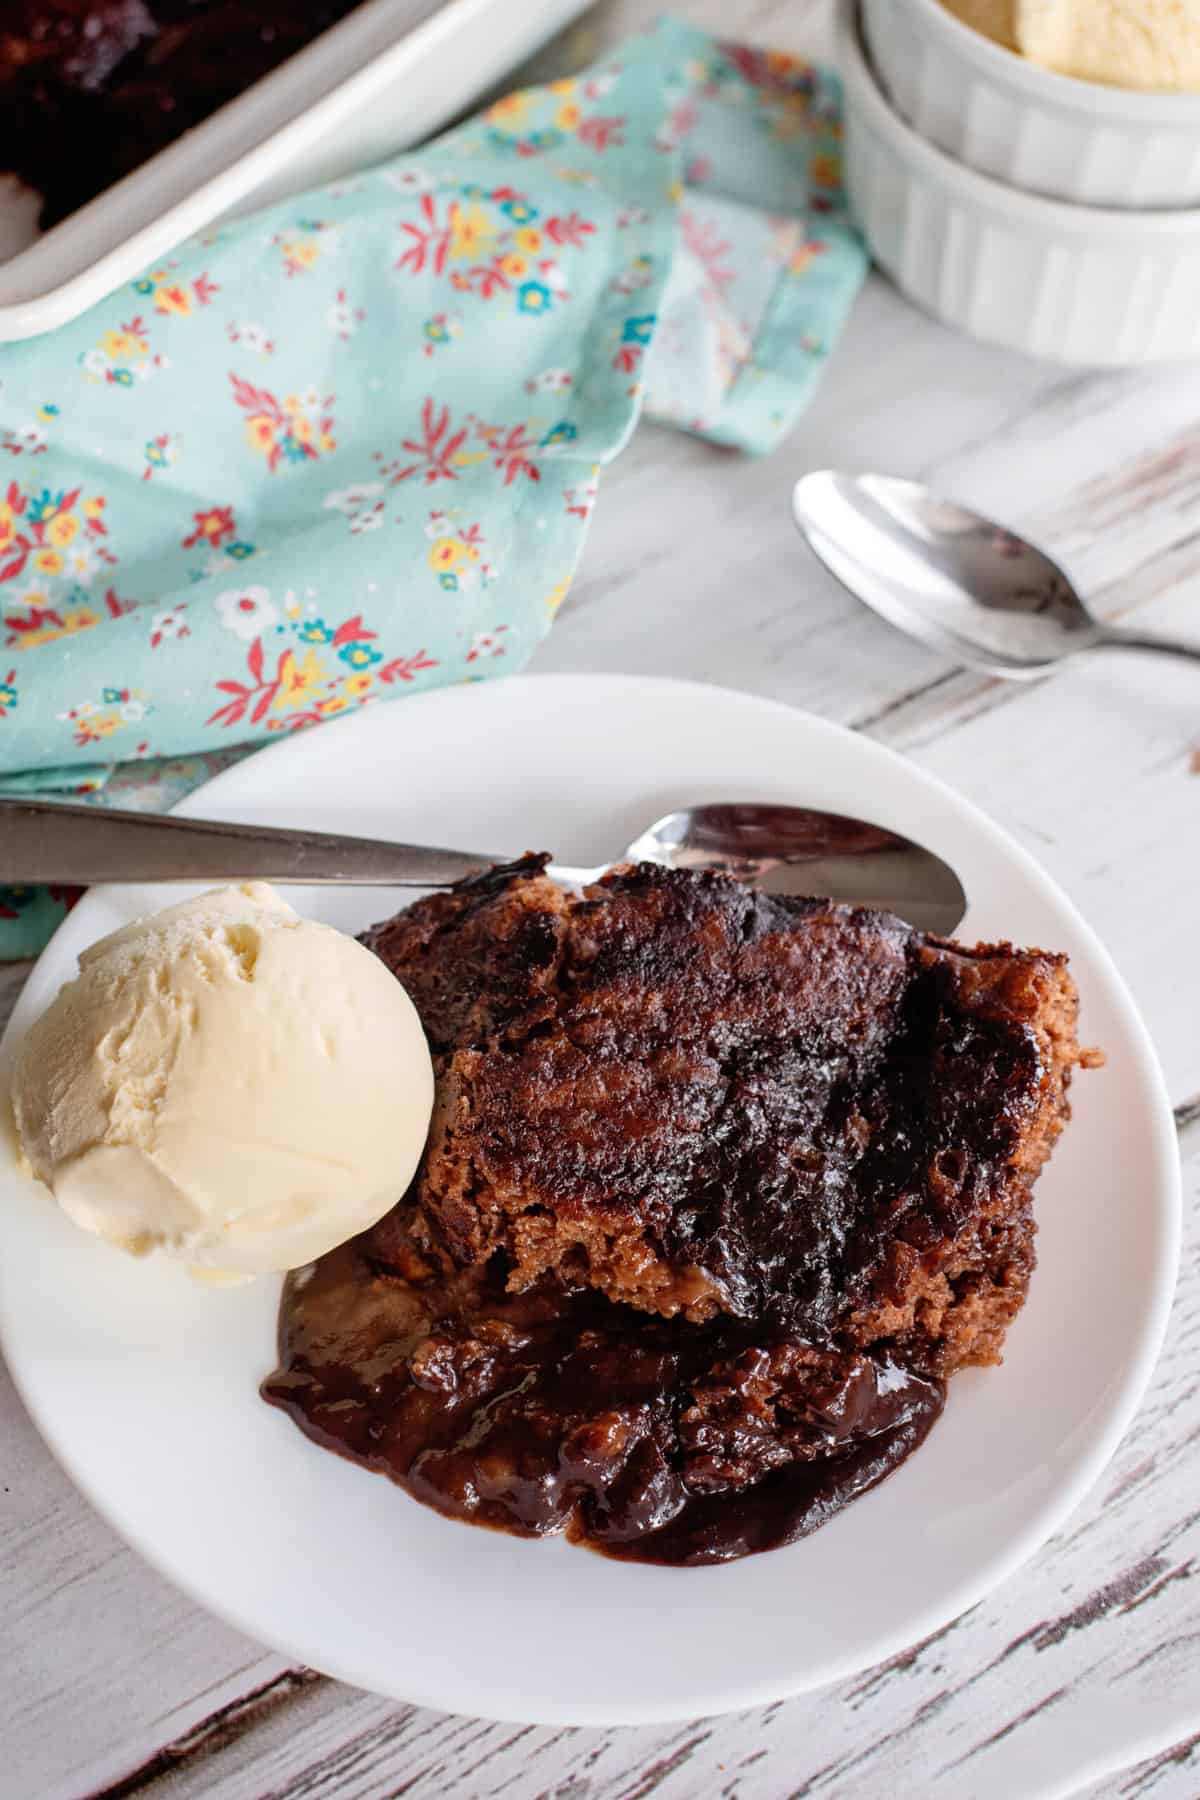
{"x": 348, "y": 448}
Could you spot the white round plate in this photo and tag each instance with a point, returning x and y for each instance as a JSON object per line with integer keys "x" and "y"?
{"x": 144, "y": 1382}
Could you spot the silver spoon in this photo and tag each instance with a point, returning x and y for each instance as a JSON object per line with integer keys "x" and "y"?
{"x": 952, "y": 579}
{"x": 782, "y": 849}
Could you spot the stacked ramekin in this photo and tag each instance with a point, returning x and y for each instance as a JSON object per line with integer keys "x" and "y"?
{"x": 1058, "y": 217}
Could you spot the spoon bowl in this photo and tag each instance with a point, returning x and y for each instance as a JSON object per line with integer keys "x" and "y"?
{"x": 954, "y": 580}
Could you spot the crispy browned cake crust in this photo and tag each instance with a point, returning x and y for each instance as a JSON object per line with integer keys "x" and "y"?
{"x": 703, "y": 1099}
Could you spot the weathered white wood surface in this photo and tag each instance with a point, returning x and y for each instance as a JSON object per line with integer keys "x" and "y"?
{"x": 1089, "y": 1661}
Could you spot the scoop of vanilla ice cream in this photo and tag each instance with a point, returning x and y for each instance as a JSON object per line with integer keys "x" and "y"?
{"x": 227, "y": 1083}
{"x": 1126, "y": 43}
{"x": 1122, "y": 43}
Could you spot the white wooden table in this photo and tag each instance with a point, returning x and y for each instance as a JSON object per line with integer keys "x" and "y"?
{"x": 1082, "y": 1674}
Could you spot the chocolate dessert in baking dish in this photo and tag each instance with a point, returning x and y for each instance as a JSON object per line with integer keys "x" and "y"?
{"x": 90, "y": 89}
{"x": 720, "y": 1188}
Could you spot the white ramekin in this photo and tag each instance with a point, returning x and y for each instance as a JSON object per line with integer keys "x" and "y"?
{"x": 1047, "y": 133}
{"x": 1076, "y": 284}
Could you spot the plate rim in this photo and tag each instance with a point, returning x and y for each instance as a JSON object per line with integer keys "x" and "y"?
{"x": 971, "y": 1589}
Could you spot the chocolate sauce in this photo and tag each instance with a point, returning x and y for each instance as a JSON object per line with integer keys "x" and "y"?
{"x": 650, "y": 1439}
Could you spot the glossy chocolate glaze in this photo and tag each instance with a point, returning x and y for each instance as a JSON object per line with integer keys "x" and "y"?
{"x": 700, "y": 1097}
{"x": 650, "y": 1439}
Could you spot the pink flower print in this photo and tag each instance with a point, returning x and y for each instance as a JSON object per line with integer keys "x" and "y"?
{"x": 352, "y": 500}
{"x": 406, "y": 668}
{"x": 300, "y": 429}
{"x": 254, "y": 338}
{"x": 178, "y": 298}
{"x": 437, "y": 453}
{"x": 214, "y": 526}
{"x": 370, "y": 519}
{"x": 486, "y": 643}
{"x": 25, "y": 440}
{"x": 569, "y": 230}
{"x": 550, "y": 381}
{"x": 601, "y": 133}
{"x": 509, "y": 447}
{"x": 343, "y": 319}
{"x": 581, "y": 498}
{"x": 638, "y": 274}
{"x": 170, "y": 623}
{"x": 711, "y": 250}
{"x": 408, "y": 180}
{"x": 680, "y": 122}
{"x": 429, "y": 242}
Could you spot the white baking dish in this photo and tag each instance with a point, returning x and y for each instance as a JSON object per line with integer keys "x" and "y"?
{"x": 1076, "y": 284}
{"x": 1048, "y": 133}
{"x": 382, "y": 79}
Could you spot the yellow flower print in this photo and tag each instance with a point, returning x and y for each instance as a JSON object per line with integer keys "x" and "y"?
{"x": 528, "y": 239}
{"x": 299, "y": 679}
{"x": 509, "y": 110}
{"x": 446, "y": 553}
{"x": 515, "y": 266}
{"x": 92, "y": 509}
{"x": 826, "y": 171}
{"x": 173, "y": 299}
{"x": 336, "y": 703}
{"x": 358, "y": 684}
{"x": 102, "y": 725}
{"x": 557, "y": 594}
{"x": 567, "y": 117}
{"x": 328, "y": 442}
{"x": 302, "y": 429}
{"x": 566, "y": 85}
{"x": 7, "y": 523}
{"x": 117, "y": 345}
{"x": 260, "y": 434}
{"x": 80, "y": 618}
{"x": 470, "y": 230}
{"x": 62, "y": 530}
{"x": 48, "y": 562}
{"x": 303, "y": 253}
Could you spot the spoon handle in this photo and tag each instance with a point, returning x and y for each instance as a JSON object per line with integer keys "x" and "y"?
{"x": 77, "y": 845}
{"x": 1115, "y": 637}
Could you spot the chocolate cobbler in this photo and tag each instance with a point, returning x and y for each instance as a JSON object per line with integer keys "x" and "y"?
{"x": 720, "y": 1189}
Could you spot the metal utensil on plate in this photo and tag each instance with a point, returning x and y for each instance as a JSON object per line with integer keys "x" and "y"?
{"x": 952, "y": 579}
{"x": 782, "y": 849}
